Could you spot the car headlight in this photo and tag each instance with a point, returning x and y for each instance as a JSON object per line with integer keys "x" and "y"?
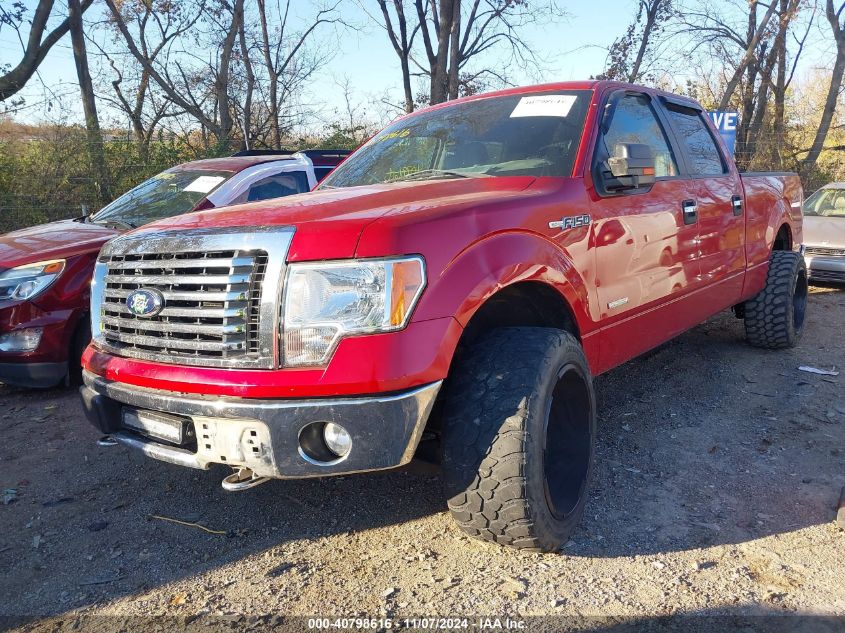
{"x": 326, "y": 301}
{"x": 30, "y": 280}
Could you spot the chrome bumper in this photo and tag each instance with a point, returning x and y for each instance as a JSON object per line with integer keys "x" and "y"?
{"x": 826, "y": 267}
{"x": 264, "y": 435}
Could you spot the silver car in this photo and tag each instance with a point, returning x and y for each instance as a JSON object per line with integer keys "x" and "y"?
{"x": 824, "y": 233}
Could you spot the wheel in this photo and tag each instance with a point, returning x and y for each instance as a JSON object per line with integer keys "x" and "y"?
{"x": 519, "y": 425}
{"x": 80, "y": 341}
{"x": 774, "y": 319}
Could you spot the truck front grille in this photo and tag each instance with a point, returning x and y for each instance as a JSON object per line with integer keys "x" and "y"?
{"x": 211, "y": 304}
{"x": 220, "y": 298}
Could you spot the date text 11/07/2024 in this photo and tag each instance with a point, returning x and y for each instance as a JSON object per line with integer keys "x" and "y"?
{"x": 420, "y": 623}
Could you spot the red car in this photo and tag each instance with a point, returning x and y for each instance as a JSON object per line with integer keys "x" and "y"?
{"x": 45, "y": 271}
{"x": 457, "y": 282}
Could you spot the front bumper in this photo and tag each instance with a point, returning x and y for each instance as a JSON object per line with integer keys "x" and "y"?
{"x": 264, "y": 435}
{"x": 33, "y": 375}
{"x": 826, "y": 268}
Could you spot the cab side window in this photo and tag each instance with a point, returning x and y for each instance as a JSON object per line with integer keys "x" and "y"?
{"x": 705, "y": 157}
{"x": 275, "y": 186}
{"x": 634, "y": 121}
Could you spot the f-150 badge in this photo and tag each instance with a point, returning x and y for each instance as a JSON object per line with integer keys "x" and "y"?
{"x": 571, "y": 222}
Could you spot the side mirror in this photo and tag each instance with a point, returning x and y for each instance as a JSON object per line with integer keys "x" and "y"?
{"x": 630, "y": 167}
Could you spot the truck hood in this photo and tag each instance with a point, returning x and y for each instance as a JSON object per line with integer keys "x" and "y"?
{"x": 824, "y": 231}
{"x": 56, "y": 240}
{"x": 329, "y": 222}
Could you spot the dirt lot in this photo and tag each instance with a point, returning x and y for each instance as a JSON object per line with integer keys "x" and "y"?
{"x": 719, "y": 471}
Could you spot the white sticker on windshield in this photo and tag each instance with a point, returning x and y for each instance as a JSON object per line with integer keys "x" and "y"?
{"x": 545, "y": 105}
{"x": 204, "y": 184}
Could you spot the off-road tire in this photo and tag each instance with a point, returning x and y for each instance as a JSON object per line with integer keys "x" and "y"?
{"x": 509, "y": 395}
{"x": 774, "y": 319}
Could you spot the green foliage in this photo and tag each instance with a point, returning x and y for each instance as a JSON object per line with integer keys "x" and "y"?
{"x": 49, "y": 177}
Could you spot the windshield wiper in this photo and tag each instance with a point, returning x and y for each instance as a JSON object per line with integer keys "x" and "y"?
{"x": 432, "y": 174}
{"x": 119, "y": 223}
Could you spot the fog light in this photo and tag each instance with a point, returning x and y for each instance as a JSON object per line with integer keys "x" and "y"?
{"x": 21, "y": 340}
{"x": 337, "y": 439}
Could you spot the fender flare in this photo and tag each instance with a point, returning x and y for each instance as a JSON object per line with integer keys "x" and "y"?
{"x": 497, "y": 261}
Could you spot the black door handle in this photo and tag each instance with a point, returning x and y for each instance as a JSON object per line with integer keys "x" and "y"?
{"x": 690, "y": 209}
{"x": 736, "y": 204}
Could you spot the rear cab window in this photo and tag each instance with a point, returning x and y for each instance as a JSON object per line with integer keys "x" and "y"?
{"x": 702, "y": 151}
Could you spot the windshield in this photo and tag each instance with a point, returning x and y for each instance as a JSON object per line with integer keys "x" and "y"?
{"x": 828, "y": 202}
{"x": 169, "y": 193}
{"x": 520, "y": 135}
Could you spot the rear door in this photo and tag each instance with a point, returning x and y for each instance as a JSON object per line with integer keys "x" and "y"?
{"x": 717, "y": 191}
{"x": 646, "y": 246}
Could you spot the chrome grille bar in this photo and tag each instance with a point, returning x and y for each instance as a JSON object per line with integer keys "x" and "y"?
{"x": 221, "y": 293}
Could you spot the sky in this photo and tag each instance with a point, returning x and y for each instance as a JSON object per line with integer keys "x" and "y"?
{"x": 574, "y": 48}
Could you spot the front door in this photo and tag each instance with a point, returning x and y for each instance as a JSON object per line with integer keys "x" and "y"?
{"x": 645, "y": 243}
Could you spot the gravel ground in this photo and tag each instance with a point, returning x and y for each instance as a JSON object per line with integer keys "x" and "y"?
{"x": 718, "y": 474}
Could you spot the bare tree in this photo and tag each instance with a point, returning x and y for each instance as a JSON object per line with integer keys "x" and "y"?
{"x": 89, "y": 103}
{"x": 286, "y": 63}
{"x": 37, "y": 45}
{"x": 650, "y": 20}
{"x": 403, "y": 44}
{"x": 453, "y": 37}
{"x": 453, "y": 34}
{"x": 710, "y": 24}
{"x": 833, "y": 15}
{"x": 246, "y": 118}
{"x": 134, "y": 94}
{"x": 188, "y": 88}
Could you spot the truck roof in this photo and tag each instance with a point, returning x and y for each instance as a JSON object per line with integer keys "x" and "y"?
{"x": 241, "y": 161}
{"x": 590, "y": 84}
{"x": 233, "y": 163}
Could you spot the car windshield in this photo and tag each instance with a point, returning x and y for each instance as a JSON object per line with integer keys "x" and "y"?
{"x": 829, "y": 202}
{"x": 169, "y": 193}
{"x": 516, "y": 135}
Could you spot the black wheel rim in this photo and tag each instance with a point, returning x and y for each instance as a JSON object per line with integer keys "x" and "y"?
{"x": 799, "y": 300}
{"x": 566, "y": 450}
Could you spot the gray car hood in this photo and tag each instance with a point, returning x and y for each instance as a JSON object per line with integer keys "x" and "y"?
{"x": 824, "y": 231}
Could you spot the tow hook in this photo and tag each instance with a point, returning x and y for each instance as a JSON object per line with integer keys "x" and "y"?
{"x": 242, "y": 479}
{"x": 107, "y": 440}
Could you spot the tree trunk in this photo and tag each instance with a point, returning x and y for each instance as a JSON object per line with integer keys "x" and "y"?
{"x": 754, "y": 40}
{"x": 832, "y": 93}
{"x": 250, "y": 83}
{"x": 787, "y": 9}
{"x": 651, "y": 16}
{"x": 439, "y": 70}
{"x": 401, "y": 46}
{"x": 36, "y": 49}
{"x": 221, "y": 83}
{"x": 89, "y": 104}
{"x": 273, "y": 79}
{"x": 455, "y": 51}
{"x": 141, "y": 136}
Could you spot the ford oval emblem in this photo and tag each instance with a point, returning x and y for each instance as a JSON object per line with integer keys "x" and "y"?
{"x": 145, "y": 302}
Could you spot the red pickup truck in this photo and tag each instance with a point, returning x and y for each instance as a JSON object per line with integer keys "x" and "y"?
{"x": 456, "y": 282}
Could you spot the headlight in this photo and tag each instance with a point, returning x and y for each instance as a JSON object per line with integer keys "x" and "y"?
{"x": 326, "y": 301}
{"x": 30, "y": 280}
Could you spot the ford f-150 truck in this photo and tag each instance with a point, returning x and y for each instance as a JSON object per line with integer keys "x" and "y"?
{"x": 457, "y": 282}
